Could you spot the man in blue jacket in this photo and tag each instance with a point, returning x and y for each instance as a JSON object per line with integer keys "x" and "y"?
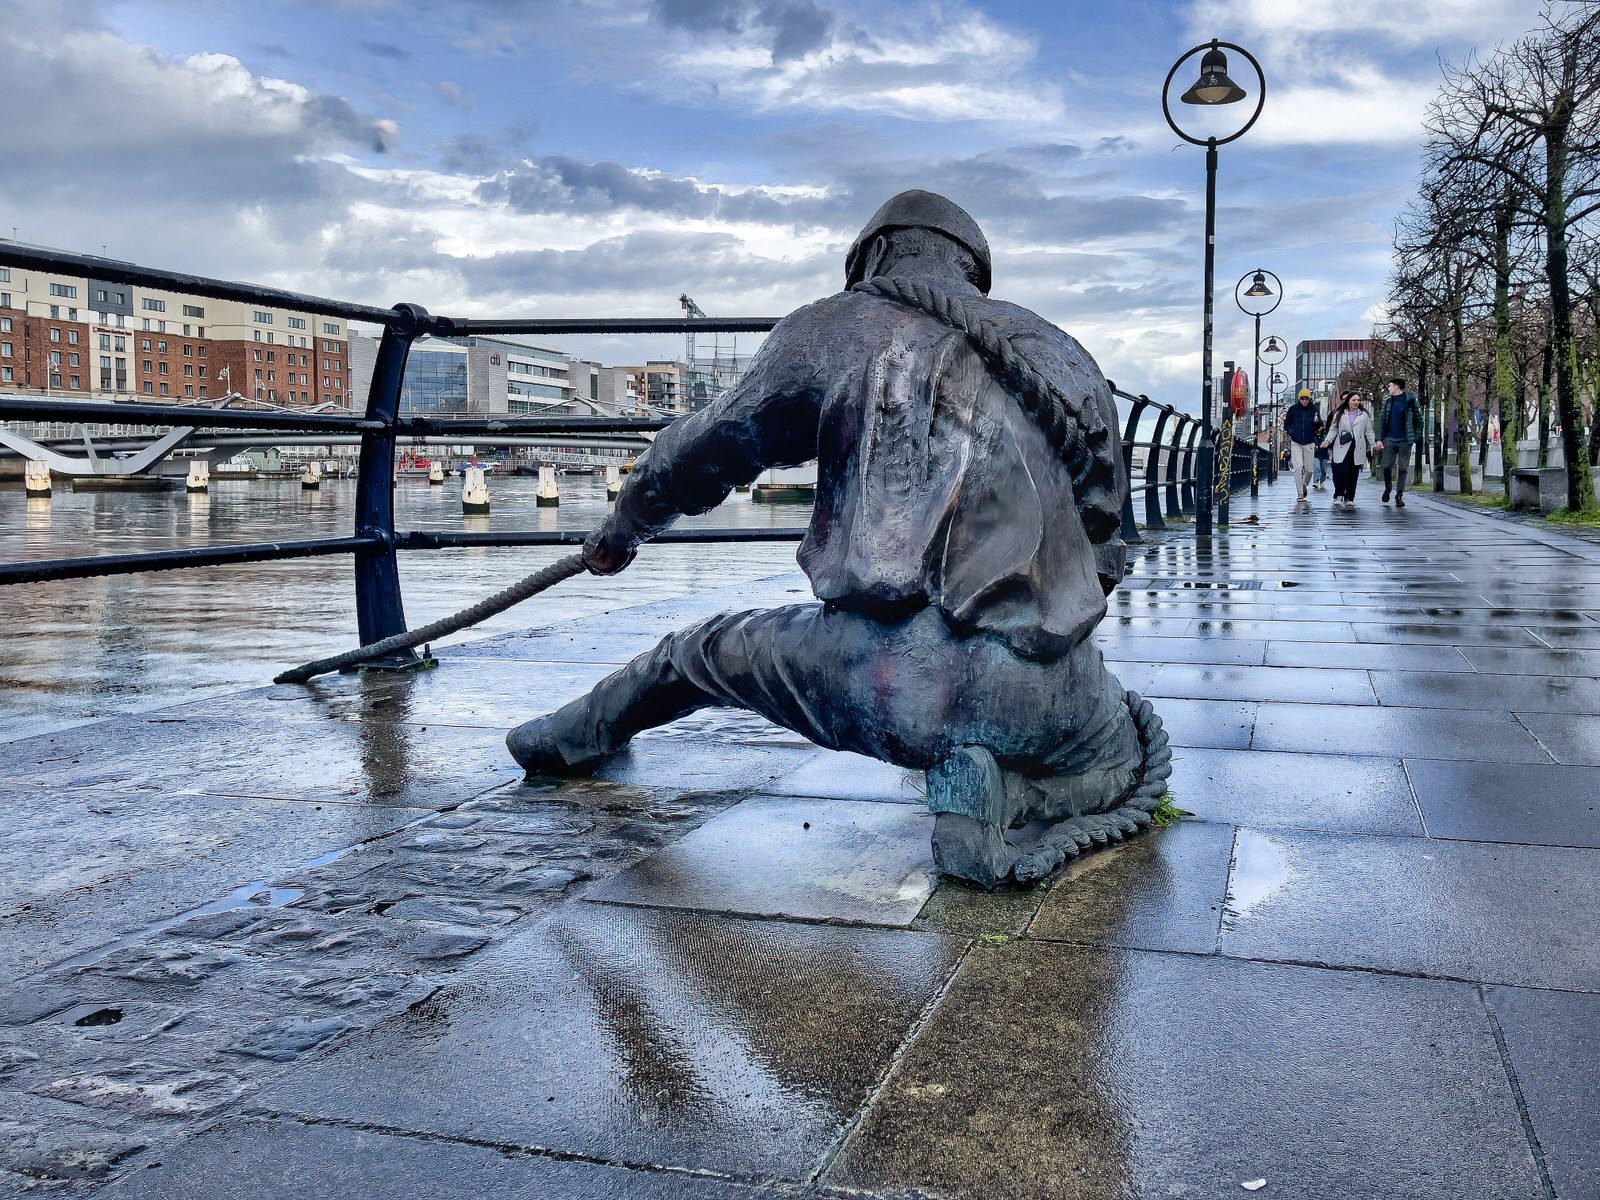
{"x": 1399, "y": 427}
{"x": 1300, "y": 423}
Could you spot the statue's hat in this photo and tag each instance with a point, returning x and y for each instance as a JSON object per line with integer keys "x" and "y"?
{"x": 917, "y": 209}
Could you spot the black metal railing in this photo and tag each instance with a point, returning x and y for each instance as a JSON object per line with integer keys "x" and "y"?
{"x": 1167, "y": 479}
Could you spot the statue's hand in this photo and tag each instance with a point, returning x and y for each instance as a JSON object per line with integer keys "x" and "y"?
{"x": 605, "y": 553}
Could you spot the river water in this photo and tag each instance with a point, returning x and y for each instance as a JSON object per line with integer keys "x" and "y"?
{"x": 82, "y": 649}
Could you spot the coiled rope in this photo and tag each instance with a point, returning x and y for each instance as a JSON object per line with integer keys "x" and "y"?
{"x": 540, "y": 580}
{"x": 1075, "y": 427}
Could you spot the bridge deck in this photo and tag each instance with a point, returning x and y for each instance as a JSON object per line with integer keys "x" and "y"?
{"x": 324, "y": 943}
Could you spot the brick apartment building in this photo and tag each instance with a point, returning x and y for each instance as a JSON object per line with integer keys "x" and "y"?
{"x": 86, "y": 337}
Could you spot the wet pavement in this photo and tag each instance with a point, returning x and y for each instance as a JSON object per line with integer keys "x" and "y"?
{"x": 324, "y": 942}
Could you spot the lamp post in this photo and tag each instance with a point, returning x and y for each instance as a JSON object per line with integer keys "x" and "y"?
{"x": 1258, "y": 300}
{"x": 1272, "y": 352}
{"x": 1212, "y": 88}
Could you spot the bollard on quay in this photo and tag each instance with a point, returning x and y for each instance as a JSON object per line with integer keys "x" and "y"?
{"x": 36, "y": 478}
{"x": 199, "y": 477}
{"x": 613, "y": 484}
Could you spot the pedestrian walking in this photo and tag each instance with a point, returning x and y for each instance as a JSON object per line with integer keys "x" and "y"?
{"x": 1300, "y": 424}
{"x": 1399, "y": 428}
{"x": 1349, "y": 441}
{"x": 1319, "y": 474}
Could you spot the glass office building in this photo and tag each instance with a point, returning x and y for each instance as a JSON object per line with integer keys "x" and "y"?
{"x": 435, "y": 379}
{"x": 1318, "y": 365}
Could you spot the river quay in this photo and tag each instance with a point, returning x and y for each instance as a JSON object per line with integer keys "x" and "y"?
{"x": 324, "y": 942}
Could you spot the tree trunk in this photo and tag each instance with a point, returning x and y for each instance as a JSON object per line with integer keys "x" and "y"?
{"x": 1580, "y": 485}
{"x": 1546, "y": 373}
{"x": 1505, "y": 400}
{"x": 1463, "y": 412}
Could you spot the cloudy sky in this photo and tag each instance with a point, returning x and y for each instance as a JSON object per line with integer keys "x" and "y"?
{"x": 541, "y": 158}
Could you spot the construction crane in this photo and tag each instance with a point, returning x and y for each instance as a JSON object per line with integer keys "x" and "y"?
{"x": 694, "y": 310}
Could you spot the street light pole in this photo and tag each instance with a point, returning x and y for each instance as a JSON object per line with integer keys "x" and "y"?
{"x": 1212, "y": 88}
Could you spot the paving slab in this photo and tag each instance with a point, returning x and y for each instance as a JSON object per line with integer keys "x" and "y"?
{"x": 1466, "y": 910}
{"x": 1532, "y": 803}
{"x": 263, "y": 1159}
{"x": 1163, "y": 890}
{"x": 1192, "y": 681}
{"x": 782, "y": 856}
{"x": 838, "y": 775}
{"x": 1225, "y": 724}
{"x": 1362, "y": 656}
{"x": 1568, "y": 738}
{"x": 1059, "y": 1071}
{"x": 644, "y": 1037}
{"x": 1531, "y": 693}
{"x": 1434, "y": 733}
{"x": 1161, "y": 650}
{"x": 1271, "y": 790}
{"x": 1503, "y": 660}
{"x": 1553, "y": 1039}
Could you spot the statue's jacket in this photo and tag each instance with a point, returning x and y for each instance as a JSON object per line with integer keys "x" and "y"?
{"x": 934, "y": 486}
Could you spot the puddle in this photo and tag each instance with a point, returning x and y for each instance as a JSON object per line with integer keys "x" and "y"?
{"x": 1260, "y": 871}
{"x": 100, "y": 1016}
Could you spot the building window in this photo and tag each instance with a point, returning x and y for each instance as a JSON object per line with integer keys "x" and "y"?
{"x": 165, "y": 390}
{"x": 272, "y": 356}
{"x": 121, "y": 344}
{"x": 72, "y": 314}
{"x": 269, "y": 335}
{"x": 144, "y": 343}
{"x": 101, "y": 297}
{"x": 66, "y": 290}
{"x": 119, "y": 298}
{"x": 188, "y": 389}
{"x": 297, "y": 322}
{"x": 5, "y": 374}
{"x": 151, "y": 305}
{"x": 202, "y": 389}
{"x": 258, "y": 374}
{"x": 55, "y": 335}
{"x": 105, "y": 362}
{"x": 5, "y": 299}
{"x": 161, "y": 369}
{"x": 200, "y": 331}
{"x": 186, "y": 332}
{"x": 161, "y": 326}
{"x": 188, "y": 350}
{"x": 262, "y": 318}
{"x": 55, "y": 381}
{"x": 149, "y": 366}
{"x": 72, "y": 360}
{"x": 330, "y": 329}
{"x": 161, "y": 347}
{"x": 105, "y": 341}
{"x": 72, "y": 337}
{"x": 271, "y": 377}
{"x": 256, "y": 354}
{"x": 5, "y": 349}
{"x": 5, "y": 324}
{"x": 258, "y": 335}
{"x": 5, "y": 274}
{"x": 144, "y": 324}
{"x": 193, "y": 310}
{"x": 149, "y": 388}
{"x": 202, "y": 370}
{"x": 75, "y": 381}
{"x": 55, "y": 312}
{"x": 202, "y": 351}
{"x": 188, "y": 369}
{"x": 105, "y": 381}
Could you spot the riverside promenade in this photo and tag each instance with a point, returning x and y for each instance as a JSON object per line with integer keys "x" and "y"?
{"x": 322, "y": 942}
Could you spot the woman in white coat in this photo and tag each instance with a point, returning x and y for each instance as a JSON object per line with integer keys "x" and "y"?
{"x": 1349, "y": 443}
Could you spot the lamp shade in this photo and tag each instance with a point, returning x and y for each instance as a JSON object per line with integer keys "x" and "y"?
{"x": 1214, "y": 86}
{"x": 1258, "y": 286}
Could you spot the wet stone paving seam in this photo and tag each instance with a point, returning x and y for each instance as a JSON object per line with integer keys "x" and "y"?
{"x": 725, "y": 968}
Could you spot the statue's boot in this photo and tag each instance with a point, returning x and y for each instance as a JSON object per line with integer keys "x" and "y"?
{"x": 967, "y": 795}
{"x": 538, "y": 750}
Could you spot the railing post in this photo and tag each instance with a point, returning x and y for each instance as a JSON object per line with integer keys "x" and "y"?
{"x": 1130, "y": 528}
{"x": 1187, "y": 507}
{"x": 380, "y": 612}
{"x": 1152, "y": 474}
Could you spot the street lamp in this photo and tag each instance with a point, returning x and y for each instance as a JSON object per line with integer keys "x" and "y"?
{"x": 1257, "y": 301}
{"x": 1272, "y": 352}
{"x": 1212, "y": 88}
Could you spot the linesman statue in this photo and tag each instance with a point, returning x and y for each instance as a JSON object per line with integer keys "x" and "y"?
{"x": 965, "y": 536}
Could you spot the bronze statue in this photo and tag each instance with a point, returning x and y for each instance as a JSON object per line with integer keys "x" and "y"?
{"x": 965, "y": 535}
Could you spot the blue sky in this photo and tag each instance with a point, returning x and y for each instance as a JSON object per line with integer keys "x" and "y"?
{"x": 540, "y": 158}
